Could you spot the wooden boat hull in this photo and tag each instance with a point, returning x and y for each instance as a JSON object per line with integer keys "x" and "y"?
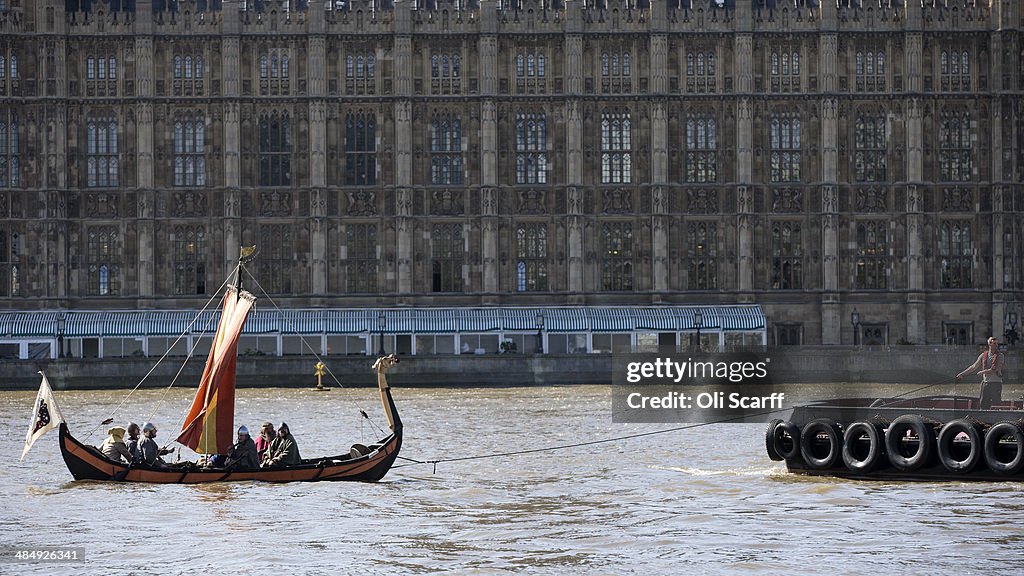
{"x": 87, "y": 463}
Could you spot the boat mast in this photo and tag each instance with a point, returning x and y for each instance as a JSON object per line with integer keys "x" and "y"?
{"x": 245, "y": 255}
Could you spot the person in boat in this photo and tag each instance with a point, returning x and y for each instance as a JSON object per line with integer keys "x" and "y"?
{"x": 990, "y": 366}
{"x": 283, "y": 450}
{"x": 243, "y": 453}
{"x": 266, "y": 437}
{"x": 149, "y": 451}
{"x": 133, "y": 443}
{"x": 114, "y": 447}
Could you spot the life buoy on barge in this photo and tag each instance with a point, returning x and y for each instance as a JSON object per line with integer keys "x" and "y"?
{"x": 930, "y": 438}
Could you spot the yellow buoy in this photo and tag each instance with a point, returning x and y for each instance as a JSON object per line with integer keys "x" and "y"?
{"x": 319, "y": 373}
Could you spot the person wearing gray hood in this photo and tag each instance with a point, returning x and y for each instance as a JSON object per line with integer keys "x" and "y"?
{"x": 243, "y": 454}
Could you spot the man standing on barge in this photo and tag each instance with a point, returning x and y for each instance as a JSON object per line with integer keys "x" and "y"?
{"x": 990, "y": 365}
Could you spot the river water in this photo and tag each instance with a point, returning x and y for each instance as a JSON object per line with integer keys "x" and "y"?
{"x": 705, "y": 500}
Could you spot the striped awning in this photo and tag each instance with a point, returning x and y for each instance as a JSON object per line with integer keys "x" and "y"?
{"x": 521, "y": 319}
{"x": 29, "y": 324}
{"x": 349, "y": 321}
{"x": 301, "y": 322}
{"x": 437, "y": 321}
{"x": 137, "y": 323}
{"x": 687, "y": 318}
{"x": 611, "y": 319}
{"x": 124, "y": 324}
{"x": 396, "y": 321}
{"x": 656, "y": 319}
{"x": 742, "y": 318}
{"x": 479, "y": 320}
{"x": 264, "y": 322}
{"x": 565, "y": 320}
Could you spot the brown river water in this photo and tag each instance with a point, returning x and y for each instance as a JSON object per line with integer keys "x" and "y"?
{"x": 705, "y": 500}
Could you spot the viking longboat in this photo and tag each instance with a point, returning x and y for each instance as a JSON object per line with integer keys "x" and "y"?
{"x": 209, "y": 428}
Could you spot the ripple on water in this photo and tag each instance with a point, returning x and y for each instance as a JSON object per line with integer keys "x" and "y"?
{"x": 682, "y": 501}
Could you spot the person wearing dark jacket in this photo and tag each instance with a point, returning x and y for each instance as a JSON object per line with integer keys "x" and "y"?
{"x": 243, "y": 454}
{"x": 149, "y": 450}
{"x": 283, "y": 450}
{"x": 132, "y": 443}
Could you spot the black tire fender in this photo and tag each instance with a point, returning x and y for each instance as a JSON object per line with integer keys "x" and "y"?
{"x": 894, "y": 434}
{"x": 876, "y": 442}
{"x": 776, "y": 440}
{"x": 948, "y": 433}
{"x": 769, "y": 440}
{"x": 992, "y": 438}
{"x": 809, "y": 436}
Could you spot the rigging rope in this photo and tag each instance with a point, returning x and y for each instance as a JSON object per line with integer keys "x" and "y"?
{"x": 169, "y": 349}
{"x": 414, "y": 462}
{"x": 308, "y": 347}
{"x": 191, "y": 354}
{"x": 953, "y": 380}
{"x": 434, "y": 463}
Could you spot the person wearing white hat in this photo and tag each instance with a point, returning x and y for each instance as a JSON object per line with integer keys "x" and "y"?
{"x": 243, "y": 454}
{"x": 114, "y": 447}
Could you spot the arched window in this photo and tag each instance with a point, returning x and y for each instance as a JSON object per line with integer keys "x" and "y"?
{"x": 102, "y": 151}
{"x": 785, "y": 147}
{"x": 531, "y": 148}
{"x": 360, "y": 149}
{"x": 446, "y": 149}
{"x": 616, "y": 147}
{"x": 275, "y": 150}
{"x": 532, "y": 255}
{"x": 617, "y": 257}
{"x": 701, "y": 148}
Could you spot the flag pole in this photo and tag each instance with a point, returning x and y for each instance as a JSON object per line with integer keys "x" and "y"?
{"x": 46, "y": 415}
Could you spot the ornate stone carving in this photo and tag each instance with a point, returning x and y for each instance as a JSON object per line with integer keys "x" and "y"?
{"x": 871, "y": 201}
{"x": 317, "y": 204}
{"x": 489, "y": 202}
{"x": 956, "y": 200}
{"x": 702, "y": 201}
{"x": 189, "y": 204}
{"x": 575, "y": 200}
{"x": 232, "y": 204}
{"x": 829, "y": 199}
{"x": 362, "y": 203}
{"x": 533, "y": 202}
{"x": 275, "y": 203}
{"x": 744, "y": 200}
{"x": 403, "y": 202}
{"x": 446, "y": 203}
{"x": 101, "y": 205}
{"x": 55, "y": 206}
{"x": 617, "y": 201}
{"x": 787, "y": 201}
{"x": 914, "y": 200}
{"x": 659, "y": 201}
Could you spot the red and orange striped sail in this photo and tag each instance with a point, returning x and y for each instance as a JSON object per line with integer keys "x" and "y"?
{"x": 209, "y": 425}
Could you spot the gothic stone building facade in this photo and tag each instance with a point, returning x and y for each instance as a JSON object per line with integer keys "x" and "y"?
{"x": 812, "y": 160}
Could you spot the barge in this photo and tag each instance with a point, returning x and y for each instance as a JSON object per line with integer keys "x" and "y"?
{"x": 927, "y": 438}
